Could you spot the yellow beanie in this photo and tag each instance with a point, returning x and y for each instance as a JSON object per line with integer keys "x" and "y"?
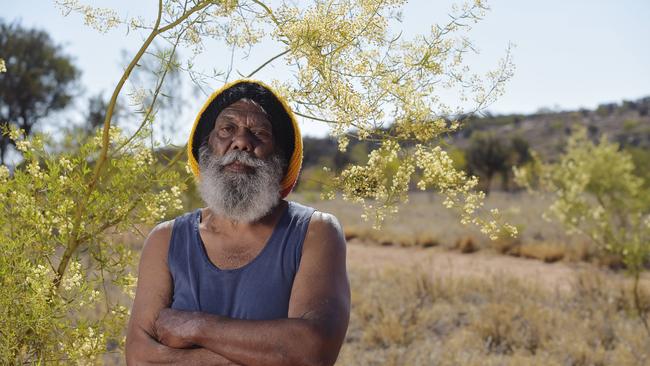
{"x": 285, "y": 126}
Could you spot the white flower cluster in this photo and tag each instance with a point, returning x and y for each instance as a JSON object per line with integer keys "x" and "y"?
{"x": 3, "y": 67}
{"x": 35, "y": 170}
{"x": 128, "y": 283}
{"x": 100, "y": 19}
{"x": 143, "y": 157}
{"x": 40, "y": 280}
{"x": 87, "y": 345}
{"x": 159, "y": 204}
{"x": 23, "y": 145}
{"x": 4, "y": 173}
{"x": 65, "y": 164}
{"x": 15, "y": 133}
{"x": 73, "y": 277}
{"x": 114, "y": 136}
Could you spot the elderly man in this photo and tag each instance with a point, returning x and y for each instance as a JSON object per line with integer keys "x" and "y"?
{"x": 252, "y": 279}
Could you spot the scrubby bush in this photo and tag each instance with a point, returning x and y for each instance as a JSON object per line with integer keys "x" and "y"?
{"x": 63, "y": 267}
{"x": 597, "y": 194}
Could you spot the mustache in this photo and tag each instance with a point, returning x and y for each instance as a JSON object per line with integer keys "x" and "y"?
{"x": 238, "y": 156}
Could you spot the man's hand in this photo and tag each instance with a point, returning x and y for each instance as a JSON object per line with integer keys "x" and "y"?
{"x": 175, "y": 328}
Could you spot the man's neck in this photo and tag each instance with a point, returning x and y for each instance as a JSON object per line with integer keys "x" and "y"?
{"x": 218, "y": 223}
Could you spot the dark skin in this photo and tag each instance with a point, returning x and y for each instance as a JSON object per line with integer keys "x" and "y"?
{"x": 319, "y": 306}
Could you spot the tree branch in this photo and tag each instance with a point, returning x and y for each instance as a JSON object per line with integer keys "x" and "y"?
{"x": 268, "y": 62}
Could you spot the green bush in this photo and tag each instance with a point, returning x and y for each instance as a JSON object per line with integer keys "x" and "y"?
{"x": 597, "y": 193}
{"x": 63, "y": 265}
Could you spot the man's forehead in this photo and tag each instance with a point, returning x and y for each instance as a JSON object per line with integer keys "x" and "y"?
{"x": 244, "y": 106}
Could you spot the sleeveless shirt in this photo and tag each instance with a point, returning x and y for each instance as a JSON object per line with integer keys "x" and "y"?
{"x": 259, "y": 290}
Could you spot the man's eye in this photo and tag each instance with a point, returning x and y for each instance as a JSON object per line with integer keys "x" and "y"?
{"x": 261, "y": 133}
{"x": 225, "y": 131}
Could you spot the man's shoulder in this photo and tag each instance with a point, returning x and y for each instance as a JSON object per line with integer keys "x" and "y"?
{"x": 160, "y": 236}
{"x": 164, "y": 229}
{"x": 325, "y": 227}
{"x": 161, "y": 230}
{"x": 318, "y": 218}
{"x": 325, "y": 220}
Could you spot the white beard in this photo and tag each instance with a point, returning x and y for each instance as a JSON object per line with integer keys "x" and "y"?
{"x": 239, "y": 196}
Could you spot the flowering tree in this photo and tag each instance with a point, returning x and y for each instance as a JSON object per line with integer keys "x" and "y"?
{"x": 60, "y": 248}
{"x": 597, "y": 194}
{"x": 63, "y": 213}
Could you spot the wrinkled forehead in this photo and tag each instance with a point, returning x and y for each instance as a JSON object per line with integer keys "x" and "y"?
{"x": 245, "y": 108}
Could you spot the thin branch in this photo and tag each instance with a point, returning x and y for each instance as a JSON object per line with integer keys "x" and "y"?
{"x": 156, "y": 93}
{"x": 74, "y": 242}
{"x": 314, "y": 118}
{"x": 268, "y": 62}
{"x": 232, "y": 57}
{"x": 182, "y": 18}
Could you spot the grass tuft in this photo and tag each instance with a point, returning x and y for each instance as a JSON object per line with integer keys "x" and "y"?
{"x": 466, "y": 245}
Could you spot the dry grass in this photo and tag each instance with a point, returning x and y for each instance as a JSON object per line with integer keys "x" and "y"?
{"x": 547, "y": 252}
{"x": 466, "y": 245}
{"x": 425, "y": 215}
{"x": 402, "y": 317}
{"x": 505, "y": 245}
{"x": 424, "y": 222}
{"x": 389, "y": 238}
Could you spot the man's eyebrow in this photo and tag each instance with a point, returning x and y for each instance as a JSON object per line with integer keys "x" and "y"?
{"x": 226, "y": 114}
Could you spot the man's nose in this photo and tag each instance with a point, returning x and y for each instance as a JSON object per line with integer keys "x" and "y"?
{"x": 243, "y": 140}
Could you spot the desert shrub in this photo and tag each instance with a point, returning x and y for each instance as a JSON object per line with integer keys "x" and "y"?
{"x": 57, "y": 265}
{"x": 597, "y": 194}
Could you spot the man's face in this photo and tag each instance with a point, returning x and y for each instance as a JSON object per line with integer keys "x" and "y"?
{"x": 242, "y": 126}
{"x": 240, "y": 170}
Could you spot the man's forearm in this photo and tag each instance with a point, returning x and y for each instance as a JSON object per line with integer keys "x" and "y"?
{"x": 267, "y": 342}
{"x": 144, "y": 350}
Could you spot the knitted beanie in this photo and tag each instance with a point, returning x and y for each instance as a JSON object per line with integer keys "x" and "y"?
{"x": 285, "y": 128}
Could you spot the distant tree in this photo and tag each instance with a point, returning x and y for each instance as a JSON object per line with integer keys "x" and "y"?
{"x": 486, "y": 156}
{"x": 40, "y": 79}
{"x": 520, "y": 150}
{"x": 317, "y": 150}
{"x": 518, "y": 154}
{"x": 95, "y": 114}
{"x": 96, "y": 111}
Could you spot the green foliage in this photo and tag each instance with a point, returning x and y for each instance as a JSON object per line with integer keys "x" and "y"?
{"x": 41, "y": 79}
{"x": 597, "y": 193}
{"x": 459, "y": 159}
{"x": 630, "y": 124}
{"x": 57, "y": 266}
{"x": 488, "y": 155}
{"x": 641, "y": 160}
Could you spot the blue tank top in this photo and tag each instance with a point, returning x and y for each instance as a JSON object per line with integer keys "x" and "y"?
{"x": 259, "y": 290}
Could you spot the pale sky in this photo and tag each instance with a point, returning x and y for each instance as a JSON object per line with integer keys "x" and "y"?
{"x": 569, "y": 54}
